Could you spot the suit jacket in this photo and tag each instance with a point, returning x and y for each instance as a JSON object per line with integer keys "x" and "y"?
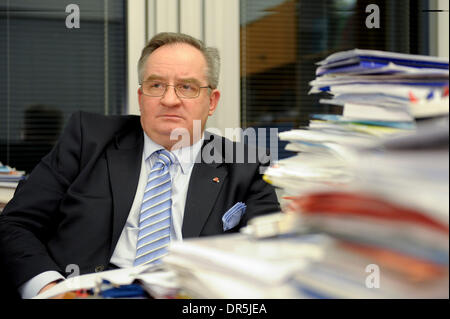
{"x": 74, "y": 205}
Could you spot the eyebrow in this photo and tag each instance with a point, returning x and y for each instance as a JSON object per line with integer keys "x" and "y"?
{"x": 154, "y": 77}
{"x": 183, "y": 80}
{"x": 190, "y": 80}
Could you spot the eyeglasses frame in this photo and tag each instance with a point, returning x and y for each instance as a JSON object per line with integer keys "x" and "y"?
{"x": 175, "y": 89}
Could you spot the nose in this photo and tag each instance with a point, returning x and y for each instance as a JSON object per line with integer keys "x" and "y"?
{"x": 170, "y": 98}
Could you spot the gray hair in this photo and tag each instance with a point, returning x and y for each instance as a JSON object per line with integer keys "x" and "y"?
{"x": 211, "y": 54}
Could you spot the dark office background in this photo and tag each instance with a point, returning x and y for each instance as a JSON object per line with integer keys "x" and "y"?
{"x": 282, "y": 40}
{"x": 48, "y": 71}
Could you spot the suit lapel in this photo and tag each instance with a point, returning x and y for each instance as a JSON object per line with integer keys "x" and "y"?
{"x": 124, "y": 165}
{"x": 202, "y": 194}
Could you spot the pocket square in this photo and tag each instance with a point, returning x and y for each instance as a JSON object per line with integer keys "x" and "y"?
{"x": 233, "y": 216}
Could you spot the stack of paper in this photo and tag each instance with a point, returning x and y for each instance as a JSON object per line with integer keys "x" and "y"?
{"x": 394, "y": 215}
{"x": 383, "y": 86}
{"x": 8, "y": 174}
{"x": 9, "y": 178}
{"x": 314, "y": 262}
{"x": 238, "y": 266}
{"x": 408, "y": 248}
{"x": 377, "y": 182}
{"x": 412, "y": 170}
{"x": 382, "y": 95}
{"x": 325, "y": 153}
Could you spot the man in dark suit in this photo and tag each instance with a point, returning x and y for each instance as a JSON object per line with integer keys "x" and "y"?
{"x": 81, "y": 204}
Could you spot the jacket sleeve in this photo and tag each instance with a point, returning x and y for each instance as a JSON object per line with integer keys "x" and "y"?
{"x": 32, "y": 216}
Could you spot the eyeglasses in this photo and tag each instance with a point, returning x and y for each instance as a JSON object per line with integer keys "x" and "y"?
{"x": 182, "y": 90}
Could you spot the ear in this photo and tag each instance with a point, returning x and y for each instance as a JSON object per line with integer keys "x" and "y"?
{"x": 213, "y": 101}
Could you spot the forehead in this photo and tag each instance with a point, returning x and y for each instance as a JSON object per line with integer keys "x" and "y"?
{"x": 176, "y": 60}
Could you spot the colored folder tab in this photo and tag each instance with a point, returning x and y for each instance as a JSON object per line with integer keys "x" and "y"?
{"x": 383, "y": 57}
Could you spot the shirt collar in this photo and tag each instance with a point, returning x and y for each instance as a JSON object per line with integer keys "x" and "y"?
{"x": 185, "y": 156}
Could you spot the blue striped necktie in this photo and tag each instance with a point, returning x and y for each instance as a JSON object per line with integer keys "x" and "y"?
{"x": 155, "y": 215}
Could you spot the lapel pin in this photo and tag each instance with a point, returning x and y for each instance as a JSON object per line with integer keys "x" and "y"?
{"x": 216, "y": 179}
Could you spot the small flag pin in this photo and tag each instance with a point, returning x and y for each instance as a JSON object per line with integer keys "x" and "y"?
{"x": 216, "y": 179}
{"x": 412, "y": 97}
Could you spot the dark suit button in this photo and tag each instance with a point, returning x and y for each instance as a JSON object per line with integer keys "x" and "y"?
{"x": 99, "y": 268}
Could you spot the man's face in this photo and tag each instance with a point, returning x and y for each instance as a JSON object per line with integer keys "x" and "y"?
{"x": 174, "y": 64}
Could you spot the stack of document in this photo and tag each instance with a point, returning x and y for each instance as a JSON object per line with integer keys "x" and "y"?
{"x": 9, "y": 178}
{"x": 381, "y": 86}
{"x": 376, "y": 183}
{"x": 392, "y": 217}
{"x": 325, "y": 154}
{"x": 239, "y": 266}
{"x": 312, "y": 262}
{"x": 410, "y": 170}
{"x": 8, "y": 174}
{"x": 382, "y": 94}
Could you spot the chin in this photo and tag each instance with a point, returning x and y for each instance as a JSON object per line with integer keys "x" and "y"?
{"x": 168, "y": 129}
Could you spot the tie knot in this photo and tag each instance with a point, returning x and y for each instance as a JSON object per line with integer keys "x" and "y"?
{"x": 165, "y": 157}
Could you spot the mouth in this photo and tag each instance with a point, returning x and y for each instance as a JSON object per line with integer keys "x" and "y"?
{"x": 171, "y": 116}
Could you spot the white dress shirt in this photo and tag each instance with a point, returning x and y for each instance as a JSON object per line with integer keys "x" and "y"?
{"x": 180, "y": 173}
{"x": 125, "y": 250}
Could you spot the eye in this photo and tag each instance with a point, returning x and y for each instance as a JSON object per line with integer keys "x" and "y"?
{"x": 156, "y": 85}
{"x": 186, "y": 87}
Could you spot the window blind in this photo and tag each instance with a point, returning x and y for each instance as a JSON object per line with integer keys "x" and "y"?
{"x": 282, "y": 40}
{"x": 48, "y": 71}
